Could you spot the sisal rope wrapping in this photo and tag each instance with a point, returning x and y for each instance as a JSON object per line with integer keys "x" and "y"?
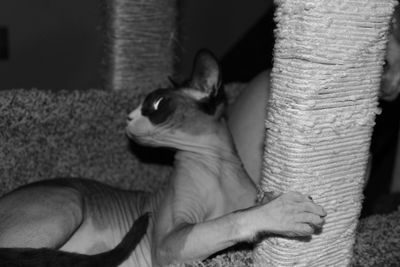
{"x": 141, "y": 41}
{"x": 327, "y": 69}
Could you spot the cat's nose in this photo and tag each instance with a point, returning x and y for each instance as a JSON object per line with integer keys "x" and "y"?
{"x": 130, "y": 117}
{"x": 133, "y": 115}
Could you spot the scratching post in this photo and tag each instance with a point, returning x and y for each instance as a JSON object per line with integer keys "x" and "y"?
{"x": 141, "y": 37}
{"x": 327, "y": 69}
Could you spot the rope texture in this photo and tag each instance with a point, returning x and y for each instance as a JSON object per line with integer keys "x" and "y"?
{"x": 327, "y": 70}
{"x": 141, "y": 43}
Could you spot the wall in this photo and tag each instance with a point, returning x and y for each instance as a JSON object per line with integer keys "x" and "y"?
{"x": 216, "y": 25}
{"x": 53, "y": 44}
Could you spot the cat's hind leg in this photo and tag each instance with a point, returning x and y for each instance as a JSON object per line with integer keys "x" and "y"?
{"x": 39, "y": 216}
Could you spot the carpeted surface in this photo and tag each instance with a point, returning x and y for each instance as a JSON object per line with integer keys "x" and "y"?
{"x": 378, "y": 241}
{"x": 47, "y": 134}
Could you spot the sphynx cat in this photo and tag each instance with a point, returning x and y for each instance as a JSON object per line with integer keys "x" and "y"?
{"x": 209, "y": 203}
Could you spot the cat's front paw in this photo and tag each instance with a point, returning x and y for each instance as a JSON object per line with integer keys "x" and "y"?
{"x": 291, "y": 214}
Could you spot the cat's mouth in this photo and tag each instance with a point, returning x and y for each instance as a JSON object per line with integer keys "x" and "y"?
{"x": 134, "y": 133}
{"x": 139, "y": 131}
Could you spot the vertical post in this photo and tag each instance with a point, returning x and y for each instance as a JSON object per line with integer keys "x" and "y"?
{"x": 141, "y": 39}
{"x": 327, "y": 68}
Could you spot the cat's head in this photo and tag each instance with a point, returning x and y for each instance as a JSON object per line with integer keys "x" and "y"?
{"x": 184, "y": 114}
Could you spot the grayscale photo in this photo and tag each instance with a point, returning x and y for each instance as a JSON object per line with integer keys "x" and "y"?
{"x": 206, "y": 133}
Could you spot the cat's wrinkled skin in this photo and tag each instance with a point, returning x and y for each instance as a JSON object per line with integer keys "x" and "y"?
{"x": 44, "y": 257}
{"x": 208, "y": 205}
{"x": 76, "y": 216}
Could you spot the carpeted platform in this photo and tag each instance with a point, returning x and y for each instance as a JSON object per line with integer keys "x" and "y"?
{"x": 46, "y": 134}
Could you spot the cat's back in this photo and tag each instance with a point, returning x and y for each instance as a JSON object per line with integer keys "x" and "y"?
{"x": 108, "y": 214}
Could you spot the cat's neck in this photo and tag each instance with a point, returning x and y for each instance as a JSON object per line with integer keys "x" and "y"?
{"x": 217, "y": 145}
{"x": 215, "y": 158}
{"x": 215, "y": 141}
{"x": 218, "y": 173}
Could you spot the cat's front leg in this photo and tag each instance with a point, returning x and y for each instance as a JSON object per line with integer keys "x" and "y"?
{"x": 179, "y": 240}
{"x": 291, "y": 214}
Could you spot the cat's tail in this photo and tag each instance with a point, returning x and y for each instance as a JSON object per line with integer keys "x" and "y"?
{"x": 127, "y": 245}
{"x": 30, "y": 257}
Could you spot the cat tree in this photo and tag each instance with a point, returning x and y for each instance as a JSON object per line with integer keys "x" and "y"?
{"x": 141, "y": 37}
{"x": 328, "y": 62}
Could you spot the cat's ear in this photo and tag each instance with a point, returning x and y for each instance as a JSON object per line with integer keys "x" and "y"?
{"x": 206, "y": 75}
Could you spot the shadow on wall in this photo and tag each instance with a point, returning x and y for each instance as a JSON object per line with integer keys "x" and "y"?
{"x": 52, "y": 44}
{"x": 377, "y": 192}
{"x": 253, "y": 52}
{"x": 219, "y": 26}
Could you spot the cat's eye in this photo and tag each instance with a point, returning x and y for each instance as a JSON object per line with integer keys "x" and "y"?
{"x": 158, "y": 106}
{"x": 157, "y": 103}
